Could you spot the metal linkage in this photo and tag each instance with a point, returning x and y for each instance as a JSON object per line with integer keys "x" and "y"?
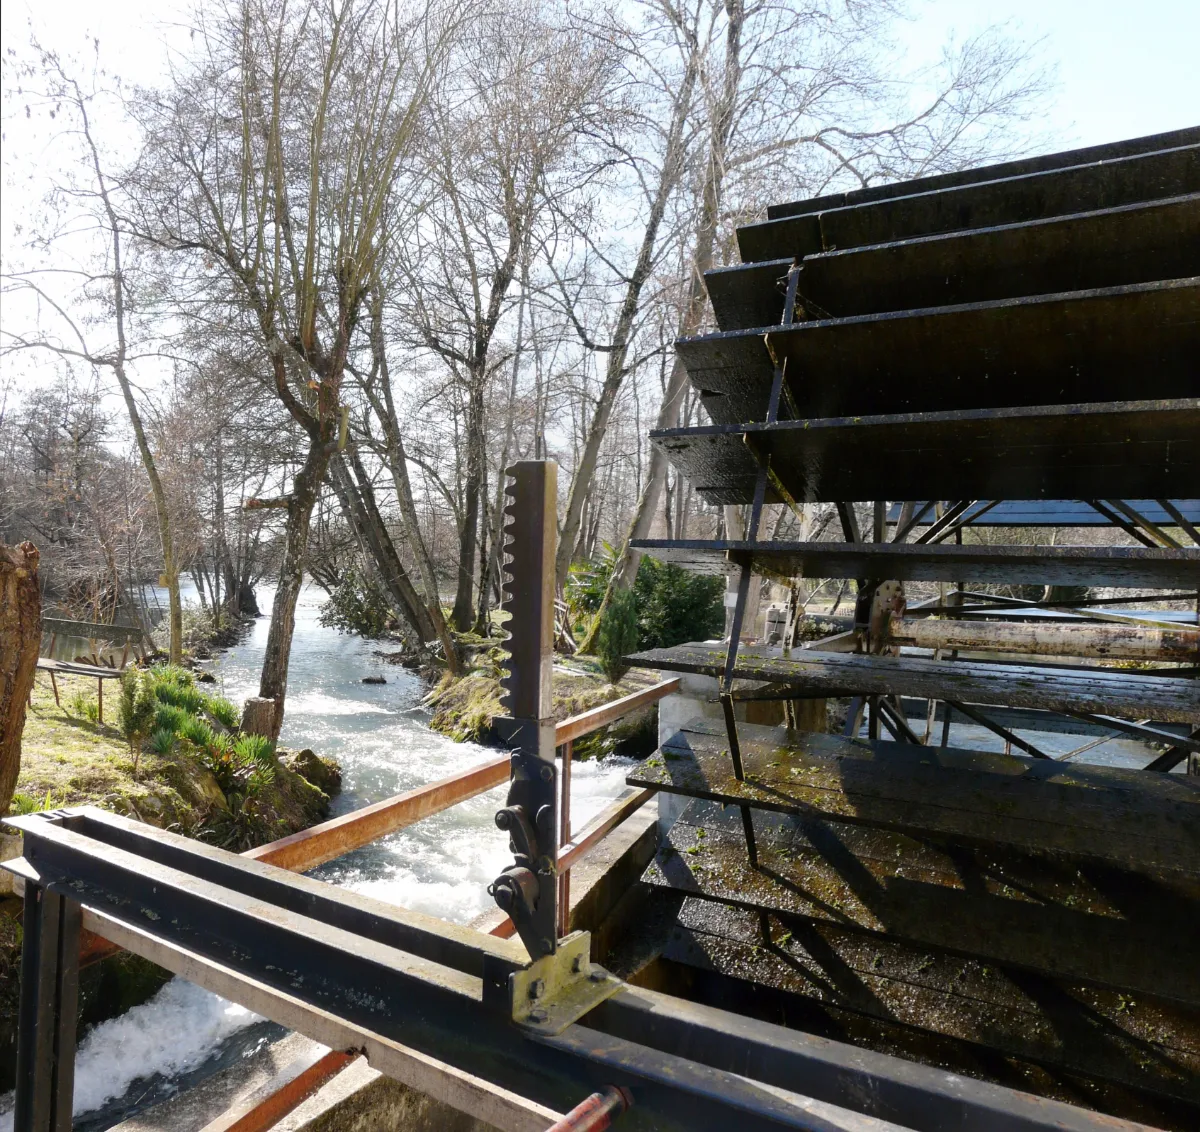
{"x": 746, "y": 571}
{"x": 527, "y": 890}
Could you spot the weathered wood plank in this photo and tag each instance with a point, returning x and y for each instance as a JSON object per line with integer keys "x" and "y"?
{"x": 1008, "y": 200}
{"x": 1009, "y": 565}
{"x": 91, "y": 630}
{"x": 1134, "y": 244}
{"x": 1095, "y": 690}
{"x": 1028, "y": 911}
{"x": 1151, "y": 1045}
{"x": 1012, "y": 801}
{"x": 1021, "y": 167}
{"x": 1123, "y": 450}
{"x": 1105, "y": 640}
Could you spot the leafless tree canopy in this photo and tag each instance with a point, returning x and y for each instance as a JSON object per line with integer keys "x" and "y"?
{"x": 355, "y": 257}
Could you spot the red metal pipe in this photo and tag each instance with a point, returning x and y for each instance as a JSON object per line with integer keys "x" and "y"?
{"x": 597, "y": 1112}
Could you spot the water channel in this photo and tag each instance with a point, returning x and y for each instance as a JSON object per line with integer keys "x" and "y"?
{"x": 441, "y": 866}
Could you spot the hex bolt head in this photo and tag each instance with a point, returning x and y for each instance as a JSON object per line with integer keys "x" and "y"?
{"x": 537, "y": 988}
{"x": 547, "y": 773}
{"x": 577, "y": 965}
{"x": 597, "y": 975}
{"x": 538, "y": 1015}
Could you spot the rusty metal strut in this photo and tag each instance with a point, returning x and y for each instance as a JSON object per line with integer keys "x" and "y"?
{"x": 597, "y": 1112}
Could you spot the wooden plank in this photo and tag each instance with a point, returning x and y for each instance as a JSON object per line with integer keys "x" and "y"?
{"x": 1003, "y": 564}
{"x": 1056, "y": 1022}
{"x": 1116, "y": 450}
{"x": 294, "y": 1084}
{"x": 1009, "y": 200}
{"x": 589, "y": 721}
{"x": 1137, "y": 243}
{"x": 1040, "y": 349}
{"x": 1148, "y": 823}
{"x": 1096, "y": 690}
{"x": 1022, "y": 167}
{"x": 1037, "y": 912}
{"x": 311, "y": 847}
{"x": 70, "y": 668}
{"x": 91, "y": 629}
{"x": 1104, "y": 640}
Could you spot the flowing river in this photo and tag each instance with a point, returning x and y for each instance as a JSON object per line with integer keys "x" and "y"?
{"x": 442, "y": 865}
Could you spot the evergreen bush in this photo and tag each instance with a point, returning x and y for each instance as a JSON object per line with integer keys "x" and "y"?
{"x": 618, "y": 634}
{"x": 136, "y": 710}
{"x": 675, "y": 606}
{"x": 357, "y": 605}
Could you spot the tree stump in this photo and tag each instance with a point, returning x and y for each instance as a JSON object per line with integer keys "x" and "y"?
{"x": 20, "y": 638}
{"x": 258, "y": 717}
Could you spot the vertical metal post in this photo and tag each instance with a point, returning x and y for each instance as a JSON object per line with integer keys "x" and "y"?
{"x": 48, "y": 1012}
{"x": 747, "y": 570}
{"x": 527, "y": 890}
{"x": 564, "y": 817}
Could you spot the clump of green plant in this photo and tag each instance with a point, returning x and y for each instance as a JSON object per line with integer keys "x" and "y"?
{"x": 136, "y": 710}
{"x": 223, "y": 711}
{"x": 83, "y": 706}
{"x": 173, "y": 674}
{"x": 675, "y": 605}
{"x": 162, "y": 742}
{"x": 587, "y": 581}
{"x": 183, "y": 696}
{"x": 170, "y": 718}
{"x": 257, "y": 749}
{"x": 196, "y": 731}
{"x": 618, "y": 634}
{"x": 30, "y": 804}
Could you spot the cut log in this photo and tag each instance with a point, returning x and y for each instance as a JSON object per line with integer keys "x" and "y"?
{"x": 20, "y": 638}
{"x": 1109, "y": 640}
{"x": 258, "y": 717}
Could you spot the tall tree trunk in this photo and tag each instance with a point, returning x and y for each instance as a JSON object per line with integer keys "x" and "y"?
{"x": 300, "y": 503}
{"x": 469, "y": 534}
{"x": 358, "y": 505}
{"x": 397, "y": 463}
{"x": 20, "y": 639}
{"x": 585, "y": 469}
{"x": 704, "y": 244}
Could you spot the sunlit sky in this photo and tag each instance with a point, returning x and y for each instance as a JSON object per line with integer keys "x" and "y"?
{"x": 1124, "y": 68}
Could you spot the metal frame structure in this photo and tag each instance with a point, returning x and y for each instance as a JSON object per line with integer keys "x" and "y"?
{"x": 469, "y": 1018}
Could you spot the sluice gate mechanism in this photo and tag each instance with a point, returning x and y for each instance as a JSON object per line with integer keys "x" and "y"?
{"x": 836, "y": 932}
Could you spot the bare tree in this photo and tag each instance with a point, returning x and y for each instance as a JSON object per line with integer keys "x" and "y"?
{"x": 102, "y": 284}
{"x": 274, "y": 167}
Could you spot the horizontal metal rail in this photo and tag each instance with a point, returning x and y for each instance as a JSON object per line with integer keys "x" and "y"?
{"x": 355, "y": 973}
{"x": 587, "y": 722}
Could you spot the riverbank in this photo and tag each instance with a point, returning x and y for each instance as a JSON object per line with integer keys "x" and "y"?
{"x": 70, "y": 758}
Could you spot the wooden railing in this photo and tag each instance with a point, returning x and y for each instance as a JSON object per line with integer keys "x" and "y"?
{"x": 311, "y": 847}
{"x": 318, "y": 844}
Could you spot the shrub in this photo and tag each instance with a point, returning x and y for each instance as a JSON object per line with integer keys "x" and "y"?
{"x": 587, "y": 581}
{"x": 196, "y": 731}
{"x": 162, "y": 741}
{"x": 137, "y": 709}
{"x": 169, "y": 718}
{"x": 675, "y": 605}
{"x": 618, "y": 634}
{"x": 357, "y": 605}
{"x": 257, "y": 749}
{"x": 172, "y": 674}
{"x": 223, "y": 711}
{"x": 182, "y": 696}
